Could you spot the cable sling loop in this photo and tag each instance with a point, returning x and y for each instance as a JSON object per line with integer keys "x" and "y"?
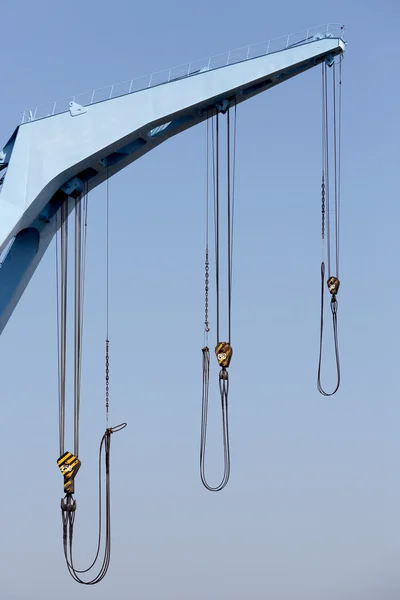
{"x": 69, "y": 463}
{"x": 333, "y": 282}
{"x": 334, "y": 308}
{"x": 223, "y": 350}
{"x": 68, "y": 512}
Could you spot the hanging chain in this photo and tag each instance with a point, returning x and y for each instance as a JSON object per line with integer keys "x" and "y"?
{"x": 207, "y": 287}
{"x": 207, "y": 262}
{"x": 107, "y": 380}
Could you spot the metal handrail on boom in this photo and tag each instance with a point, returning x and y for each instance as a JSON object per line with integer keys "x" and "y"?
{"x": 331, "y": 30}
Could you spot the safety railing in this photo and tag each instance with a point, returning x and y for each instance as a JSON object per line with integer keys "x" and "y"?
{"x": 332, "y": 30}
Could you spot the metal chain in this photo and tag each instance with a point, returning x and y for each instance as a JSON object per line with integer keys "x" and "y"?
{"x": 207, "y": 263}
{"x": 107, "y": 380}
{"x": 207, "y": 287}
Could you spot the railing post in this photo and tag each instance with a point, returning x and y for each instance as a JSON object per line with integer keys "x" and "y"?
{"x": 111, "y": 91}
{"x": 92, "y": 98}
{"x": 229, "y": 57}
{"x": 150, "y": 80}
{"x": 130, "y": 87}
{"x": 267, "y": 51}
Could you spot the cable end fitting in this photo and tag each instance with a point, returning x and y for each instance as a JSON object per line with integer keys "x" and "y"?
{"x": 223, "y": 374}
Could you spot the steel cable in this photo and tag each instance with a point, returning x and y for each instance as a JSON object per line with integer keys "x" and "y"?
{"x": 68, "y": 503}
{"x": 223, "y": 349}
{"x": 333, "y": 280}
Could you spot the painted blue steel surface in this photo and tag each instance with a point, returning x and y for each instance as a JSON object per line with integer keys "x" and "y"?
{"x": 50, "y": 160}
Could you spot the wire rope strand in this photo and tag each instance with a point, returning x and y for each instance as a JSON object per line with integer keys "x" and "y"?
{"x": 107, "y": 357}
{"x": 327, "y": 178}
{"x": 60, "y": 398}
{"x": 216, "y": 218}
{"x": 107, "y": 250}
{"x": 77, "y": 321}
{"x": 325, "y": 192}
{"x": 233, "y": 211}
{"x": 228, "y": 153}
{"x": 63, "y": 318}
{"x": 339, "y": 167}
{"x": 336, "y": 182}
{"x": 323, "y": 143}
{"x": 68, "y": 519}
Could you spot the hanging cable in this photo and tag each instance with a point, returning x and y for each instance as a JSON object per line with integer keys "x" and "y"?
{"x": 68, "y": 462}
{"x": 331, "y": 242}
{"x": 61, "y": 281}
{"x": 223, "y": 350}
{"x": 68, "y": 511}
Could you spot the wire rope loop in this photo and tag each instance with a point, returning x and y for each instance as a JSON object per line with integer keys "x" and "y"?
{"x": 224, "y": 388}
{"x": 68, "y": 503}
{"x": 334, "y": 310}
{"x": 68, "y": 512}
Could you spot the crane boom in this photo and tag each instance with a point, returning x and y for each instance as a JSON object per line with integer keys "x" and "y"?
{"x": 54, "y": 159}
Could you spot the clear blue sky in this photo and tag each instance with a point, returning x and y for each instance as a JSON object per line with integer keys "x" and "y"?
{"x": 312, "y": 508}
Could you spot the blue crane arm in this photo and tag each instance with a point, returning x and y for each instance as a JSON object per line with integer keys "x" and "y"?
{"x": 53, "y": 159}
